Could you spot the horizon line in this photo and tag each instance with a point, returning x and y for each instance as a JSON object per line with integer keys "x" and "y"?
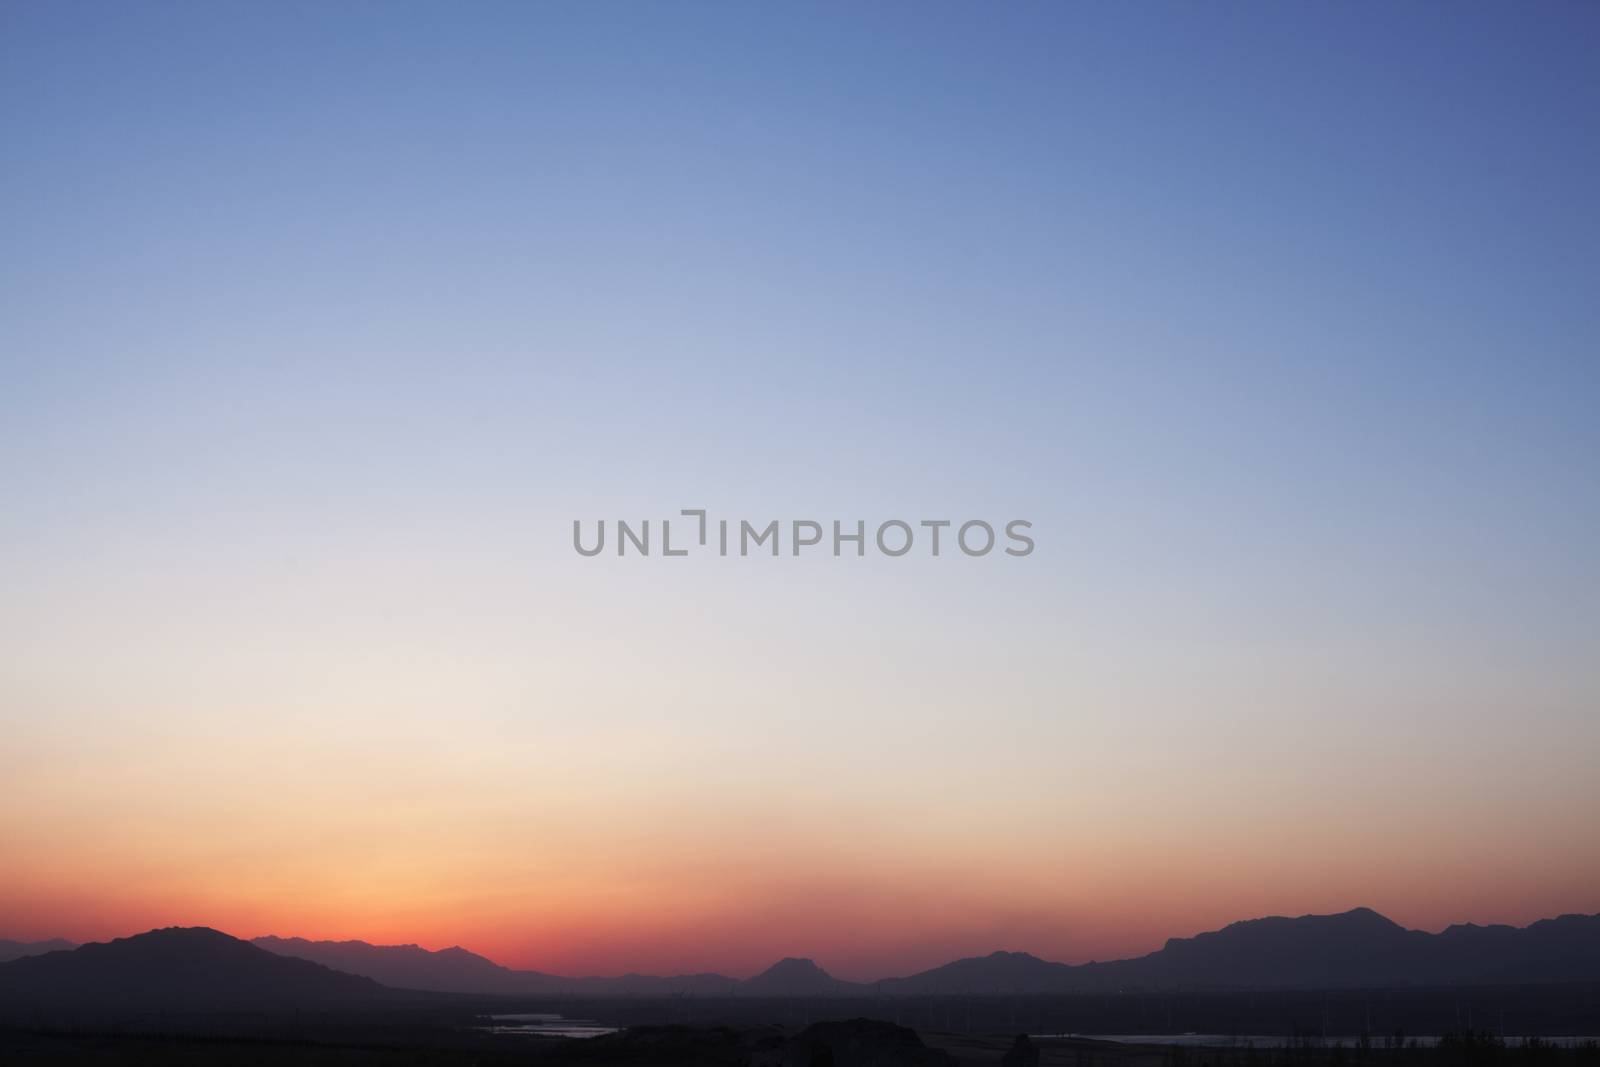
{"x": 804, "y": 959}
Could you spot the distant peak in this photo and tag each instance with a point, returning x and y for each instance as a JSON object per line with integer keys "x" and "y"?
{"x": 1367, "y": 915}
{"x": 793, "y": 963}
{"x": 185, "y": 933}
{"x": 1354, "y": 915}
{"x": 791, "y": 971}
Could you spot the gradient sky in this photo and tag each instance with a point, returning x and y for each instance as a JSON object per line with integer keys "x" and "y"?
{"x": 320, "y": 323}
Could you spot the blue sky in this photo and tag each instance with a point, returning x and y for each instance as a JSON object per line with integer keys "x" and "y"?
{"x": 320, "y": 323}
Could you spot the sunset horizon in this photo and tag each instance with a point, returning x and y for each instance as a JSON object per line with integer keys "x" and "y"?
{"x": 577, "y": 970}
{"x": 662, "y": 489}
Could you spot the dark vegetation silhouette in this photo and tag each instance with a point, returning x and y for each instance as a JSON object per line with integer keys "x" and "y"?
{"x": 1466, "y": 1048}
{"x": 860, "y": 1043}
{"x": 844, "y": 1043}
{"x": 1022, "y": 1053}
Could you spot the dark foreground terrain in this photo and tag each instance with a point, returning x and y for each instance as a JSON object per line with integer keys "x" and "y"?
{"x": 839, "y": 1043}
{"x": 414, "y": 1028}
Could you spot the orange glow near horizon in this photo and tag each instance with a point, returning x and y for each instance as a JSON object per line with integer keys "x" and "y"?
{"x": 699, "y": 835}
{"x": 738, "y": 946}
{"x": 726, "y": 891}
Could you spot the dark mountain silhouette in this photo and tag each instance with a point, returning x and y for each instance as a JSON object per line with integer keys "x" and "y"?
{"x": 15, "y": 950}
{"x": 1313, "y": 951}
{"x": 455, "y": 970}
{"x": 1566, "y": 948}
{"x": 449, "y": 970}
{"x": 191, "y": 968}
{"x": 1354, "y": 948}
{"x": 793, "y": 977}
{"x": 1358, "y": 948}
{"x": 998, "y": 972}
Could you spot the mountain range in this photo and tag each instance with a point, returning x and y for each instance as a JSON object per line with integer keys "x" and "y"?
{"x": 1353, "y": 949}
{"x": 15, "y": 950}
{"x": 455, "y": 970}
{"x": 179, "y": 966}
{"x": 1357, "y": 948}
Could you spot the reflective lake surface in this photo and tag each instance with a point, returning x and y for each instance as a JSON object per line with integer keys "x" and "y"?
{"x": 540, "y": 1024}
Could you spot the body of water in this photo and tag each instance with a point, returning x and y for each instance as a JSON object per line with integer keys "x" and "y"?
{"x": 539, "y": 1024}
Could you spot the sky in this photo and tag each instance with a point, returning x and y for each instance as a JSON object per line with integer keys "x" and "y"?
{"x": 320, "y": 324}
